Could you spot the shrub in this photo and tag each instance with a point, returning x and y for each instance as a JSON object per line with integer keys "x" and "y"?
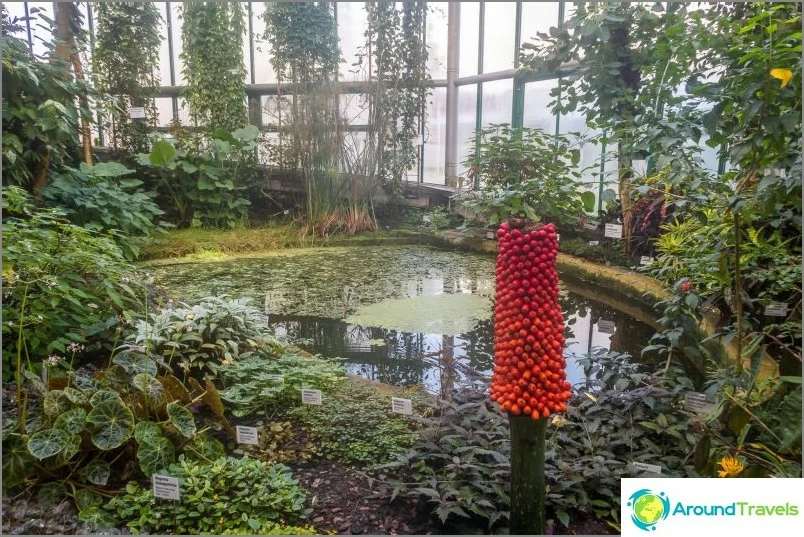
{"x": 356, "y": 425}
{"x": 62, "y": 283}
{"x": 101, "y": 198}
{"x": 227, "y": 495}
{"x": 216, "y": 330}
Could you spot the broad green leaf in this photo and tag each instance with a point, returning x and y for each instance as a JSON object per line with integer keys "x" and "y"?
{"x": 47, "y": 443}
{"x": 588, "y": 199}
{"x": 97, "y": 472}
{"x": 181, "y": 418}
{"x": 155, "y": 455}
{"x": 150, "y": 386}
{"x": 51, "y": 494}
{"x": 75, "y": 396}
{"x": 204, "y": 447}
{"x": 105, "y": 396}
{"x": 135, "y": 363}
{"x": 162, "y": 153}
{"x": 17, "y": 462}
{"x": 113, "y": 424}
{"x": 73, "y": 421}
{"x": 146, "y": 430}
{"x": 56, "y": 403}
{"x": 86, "y": 499}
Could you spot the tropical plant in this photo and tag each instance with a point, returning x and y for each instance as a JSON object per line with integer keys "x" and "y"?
{"x": 102, "y": 198}
{"x": 525, "y": 172}
{"x": 261, "y": 380}
{"x": 226, "y": 495}
{"x": 62, "y": 283}
{"x": 126, "y": 70}
{"x": 40, "y": 117}
{"x": 212, "y": 56}
{"x": 215, "y": 331}
{"x": 208, "y": 183}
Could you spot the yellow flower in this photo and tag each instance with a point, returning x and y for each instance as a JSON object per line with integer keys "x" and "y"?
{"x": 782, "y": 74}
{"x": 732, "y": 467}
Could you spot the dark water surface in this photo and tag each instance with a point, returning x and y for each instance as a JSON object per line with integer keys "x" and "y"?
{"x": 398, "y": 314}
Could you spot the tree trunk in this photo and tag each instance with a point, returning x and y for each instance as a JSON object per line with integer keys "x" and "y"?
{"x": 625, "y": 174}
{"x": 527, "y": 474}
{"x": 86, "y": 132}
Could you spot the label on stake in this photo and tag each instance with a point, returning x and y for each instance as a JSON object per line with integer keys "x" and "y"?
{"x": 645, "y": 260}
{"x": 247, "y": 435}
{"x": 401, "y": 406}
{"x": 490, "y": 235}
{"x": 136, "y": 112}
{"x": 776, "y": 309}
{"x": 696, "y": 402}
{"x": 613, "y": 231}
{"x": 644, "y": 467}
{"x": 44, "y": 372}
{"x": 311, "y": 397}
{"x": 594, "y": 243}
{"x": 604, "y": 326}
{"x": 165, "y": 487}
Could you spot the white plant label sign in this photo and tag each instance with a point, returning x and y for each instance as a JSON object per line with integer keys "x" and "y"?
{"x": 490, "y": 235}
{"x": 696, "y": 402}
{"x": 594, "y": 243}
{"x": 247, "y": 435}
{"x": 401, "y": 406}
{"x": 558, "y": 237}
{"x": 645, "y": 260}
{"x": 166, "y": 487}
{"x": 604, "y": 326}
{"x": 136, "y": 112}
{"x": 613, "y": 231}
{"x": 776, "y": 309}
{"x": 644, "y": 467}
{"x": 311, "y": 397}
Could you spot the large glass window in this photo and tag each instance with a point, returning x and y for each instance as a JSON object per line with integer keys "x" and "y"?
{"x": 537, "y": 113}
{"x": 497, "y": 101}
{"x": 470, "y": 30}
{"x": 352, "y": 23}
{"x": 538, "y": 17}
{"x": 467, "y": 112}
{"x": 434, "y": 137}
{"x": 437, "y": 40}
{"x": 499, "y": 36}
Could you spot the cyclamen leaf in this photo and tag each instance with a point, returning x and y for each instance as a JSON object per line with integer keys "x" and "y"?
{"x": 135, "y": 363}
{"x": 182, "y": 419}
{"x": 152, "y": 389}
{"x": 73, "y": 421}
{"x": 56, "y": 403}
{"x": 145, "y": 431}
{"x": 155, "y": 455}
{"x": 103, "y": 396}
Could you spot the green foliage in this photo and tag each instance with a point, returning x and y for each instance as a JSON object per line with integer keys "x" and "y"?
{"x": 270, "y": 528}
{"x": 600, "y": 253}
{"x": 212, "y": 56}
{"x": 40, "y": 117}
{"x": 438, "y": 219}
{"x": 524, "y": 172}
{"x": 208, "y": 182}
{"x": 461, "y": 464}
{"x": 62, "y": 283}
{"x": 102, "y": 198}
{"x": 227, "y": 495}
{"x": 357, "y": 426}
{"x": 251, "y": 383}
{"x": 215, "y": 331}
{"x": 126, "y": 70}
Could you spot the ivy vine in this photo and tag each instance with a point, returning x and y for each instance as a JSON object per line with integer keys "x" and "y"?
{"x": 126, "y": 70}
{"x": 213, "y": 65}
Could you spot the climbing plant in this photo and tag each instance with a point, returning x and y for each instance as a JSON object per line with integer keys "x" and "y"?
{"x": 126, "y": 70}
{"x": 396, "y": 58}
{"x": 213, "y": 67}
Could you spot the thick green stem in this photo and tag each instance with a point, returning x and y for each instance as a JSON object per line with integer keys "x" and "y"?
{"x": 527, "y": 475}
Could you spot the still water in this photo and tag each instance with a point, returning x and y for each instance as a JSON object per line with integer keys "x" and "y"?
{"x": 403, "y": 315}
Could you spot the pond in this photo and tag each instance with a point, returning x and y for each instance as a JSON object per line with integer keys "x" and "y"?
{"x": 404, "y": 315}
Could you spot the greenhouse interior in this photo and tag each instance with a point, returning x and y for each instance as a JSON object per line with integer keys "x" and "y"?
{"x": 300, "y": 268}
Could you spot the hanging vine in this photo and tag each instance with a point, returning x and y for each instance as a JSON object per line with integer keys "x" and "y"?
{"x": 213, "y": 66}
{"x": 398, "y": 63}
{"x": 126, "y": 70}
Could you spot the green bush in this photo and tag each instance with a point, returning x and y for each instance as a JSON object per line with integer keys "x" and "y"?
{"x": 227, "y": 495}
{"x": 251, "y": 383}
{"x": 356, "y": 425}
{"x": 216, "y": 330}
{"x": 101, "y": 198}
{"x": 62, "y": 283}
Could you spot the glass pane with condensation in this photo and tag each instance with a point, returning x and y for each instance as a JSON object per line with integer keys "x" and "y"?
{"x": 352, "y": 24}
{"x": 434, "y": 137}
{"x": 499, "y": 36}
{"x": 470, "y": 20}
{"x": 437, "y": 40}
{"x": 538, "y": 113}
{"x": 538, "y": 17}
{"x": 467, "y": 112}
{"x": 497, "y": 100}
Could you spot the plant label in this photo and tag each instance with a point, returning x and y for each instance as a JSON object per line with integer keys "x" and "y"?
{"x": 594, "y": 243}
{"x": 279, "y": 379}
{"x": 136, "y": 112}
{"x": 645, "y": 260}
{"x": 247, "y": 435}
{"x": 776, "y": 309}
{"x": 417, "y": 141}
{"x": 696, "y": 402}
{"x": 311, "y": 397}
{"x": 166, "y": 487}
{"x": 401, "y": 406}
{"x": 644, "y": 467}
{"x": 558, "y": 237}
{"x": 490, "y": 235}
{"x": 604, "y": 326}
{"x": 613, "y": 231}
{"x": 44, "y": 372}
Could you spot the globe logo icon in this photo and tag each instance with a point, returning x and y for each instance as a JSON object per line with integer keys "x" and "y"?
{"x": 648, "y": 508}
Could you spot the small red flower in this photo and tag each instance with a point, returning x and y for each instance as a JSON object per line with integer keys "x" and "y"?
{"x": 686, "y": 287}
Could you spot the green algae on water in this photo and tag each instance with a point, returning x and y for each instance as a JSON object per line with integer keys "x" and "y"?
{"x": 444, "y": 314}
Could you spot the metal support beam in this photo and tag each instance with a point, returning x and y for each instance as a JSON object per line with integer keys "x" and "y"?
{"x": 172, "y": 67}
{"x": 453, "y": 63}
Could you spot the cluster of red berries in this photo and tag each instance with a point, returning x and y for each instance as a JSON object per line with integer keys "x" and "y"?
{"x": 529, "y": 367}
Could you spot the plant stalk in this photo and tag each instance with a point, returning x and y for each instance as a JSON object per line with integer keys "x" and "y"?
{"x": 527, "y": 475}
